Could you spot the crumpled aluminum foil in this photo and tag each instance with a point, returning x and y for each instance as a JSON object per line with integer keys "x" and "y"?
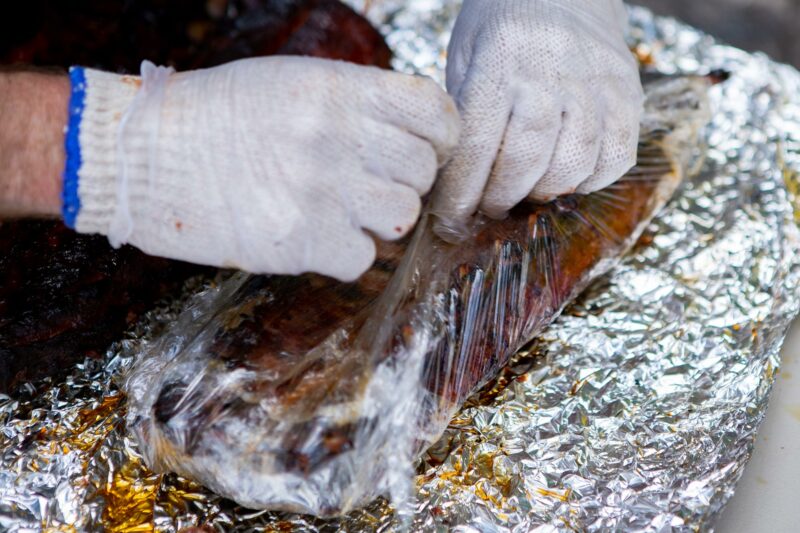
{"x": 637, "y": 410}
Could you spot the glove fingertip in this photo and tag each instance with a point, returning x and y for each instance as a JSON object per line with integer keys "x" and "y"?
{"x": 357, "y": 257}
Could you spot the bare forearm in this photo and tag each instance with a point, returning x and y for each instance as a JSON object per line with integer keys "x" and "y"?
{"x": 33, "y": 112}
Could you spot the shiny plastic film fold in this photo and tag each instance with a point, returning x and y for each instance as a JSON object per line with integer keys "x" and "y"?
{"x": 636, "y": 409}
{"x": 307, "y": 395}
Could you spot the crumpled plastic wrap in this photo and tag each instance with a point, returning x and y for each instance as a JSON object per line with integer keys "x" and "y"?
{"x": 307, "y": 395}
{"x": 636, "y": 410}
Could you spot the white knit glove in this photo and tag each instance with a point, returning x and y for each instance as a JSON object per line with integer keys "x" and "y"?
{"x": 550, "y": 99}
{"x": 273, "y": 165}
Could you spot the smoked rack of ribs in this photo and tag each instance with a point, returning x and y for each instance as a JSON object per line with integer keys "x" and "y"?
{"x": 307, "y": 395}
{"x": 64, "y": 296}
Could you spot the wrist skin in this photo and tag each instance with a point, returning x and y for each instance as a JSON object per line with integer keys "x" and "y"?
{"x": 33, "y": 113}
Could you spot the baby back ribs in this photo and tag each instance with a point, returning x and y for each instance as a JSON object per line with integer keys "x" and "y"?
{"x": 308, "y": 395}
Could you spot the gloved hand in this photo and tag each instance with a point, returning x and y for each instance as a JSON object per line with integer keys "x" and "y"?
{"x": 550, "y": 99}
{"x": 274, "y": 165}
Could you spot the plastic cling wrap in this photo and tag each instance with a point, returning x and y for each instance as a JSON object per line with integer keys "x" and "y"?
{"x": 640, "y": 409}
{"x": 308, "y": 395}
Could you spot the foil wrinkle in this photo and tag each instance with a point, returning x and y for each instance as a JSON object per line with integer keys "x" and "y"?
{"x": 636, "y": 411}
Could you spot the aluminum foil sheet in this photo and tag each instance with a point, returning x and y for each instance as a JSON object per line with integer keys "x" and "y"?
{"x": 636, "y": 411}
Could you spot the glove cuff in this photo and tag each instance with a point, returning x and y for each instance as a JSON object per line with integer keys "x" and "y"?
{"x": 98, "y": 102}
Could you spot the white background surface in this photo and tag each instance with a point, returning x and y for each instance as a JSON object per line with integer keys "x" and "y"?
{"x": 767, "y": 498}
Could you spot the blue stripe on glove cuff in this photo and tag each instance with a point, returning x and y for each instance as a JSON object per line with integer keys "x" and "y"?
{"x": 71, "y": 201}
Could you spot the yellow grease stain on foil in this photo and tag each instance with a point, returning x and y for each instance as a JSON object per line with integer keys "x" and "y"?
{"x": 769, "y": 372}
{"x": 130, "y": 494}
{"x": 134, "y": 492}
{"x": 560, "y": 496}
{"x": 130, "y": 499}
{"x": 792, "y": 181}
{"x": 92, "y": 425}
{"x": 483, "y": 475}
